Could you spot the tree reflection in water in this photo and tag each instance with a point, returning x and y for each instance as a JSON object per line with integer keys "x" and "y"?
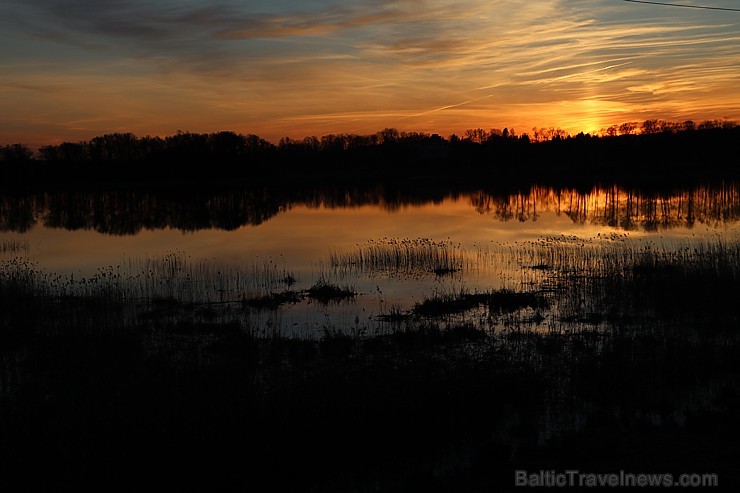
{"x": 127, "y": 212}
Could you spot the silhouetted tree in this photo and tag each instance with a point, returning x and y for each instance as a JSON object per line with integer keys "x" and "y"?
{"x": 15, "y": 153}
{"x": 476, "y": 135}
{"x": 114, "y": 147}
{"x": 72, "y": 152}
{"x": 385, "y": 153}
{"x": 728, "y": 124}
{"x": 333, "y": 143}
{"x": 256, "y": 144}
{"x": 627, "y": 128}
{"x": 311, "y": 143}
{"x": 227, "y": 146}
{"x": 650, "y": 127}
{"x": 388, "y": 136}
{"x": 286, "y": 142}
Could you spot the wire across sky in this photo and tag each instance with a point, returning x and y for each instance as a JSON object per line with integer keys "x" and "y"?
{"x": 704, "y": 7}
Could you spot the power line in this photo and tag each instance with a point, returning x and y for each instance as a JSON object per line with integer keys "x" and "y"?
{"x": 704, "y": 7}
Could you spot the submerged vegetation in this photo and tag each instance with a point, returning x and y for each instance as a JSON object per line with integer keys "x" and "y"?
{"x": 324, "y": 292}
{"x": 495, "y": 302}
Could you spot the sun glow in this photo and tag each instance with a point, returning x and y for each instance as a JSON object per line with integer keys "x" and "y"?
{"x": 423, "y": 65}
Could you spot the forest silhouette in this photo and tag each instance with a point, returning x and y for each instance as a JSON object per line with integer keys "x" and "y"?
{"x": 654, "y": 151}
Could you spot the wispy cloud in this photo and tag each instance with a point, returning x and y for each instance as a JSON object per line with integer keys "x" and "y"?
{"x": 308, "y": 68}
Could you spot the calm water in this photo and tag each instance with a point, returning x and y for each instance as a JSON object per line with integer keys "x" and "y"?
{"x": 304, "y": 233}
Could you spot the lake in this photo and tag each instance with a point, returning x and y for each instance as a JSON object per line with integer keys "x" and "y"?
{"x": 460, "y": 334}
{"x": 393, "y": 248}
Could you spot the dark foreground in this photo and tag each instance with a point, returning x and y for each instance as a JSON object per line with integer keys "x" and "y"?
{"x": 640, "y": 373}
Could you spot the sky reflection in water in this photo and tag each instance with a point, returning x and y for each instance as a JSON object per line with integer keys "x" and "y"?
{"x": 302, "y": 236}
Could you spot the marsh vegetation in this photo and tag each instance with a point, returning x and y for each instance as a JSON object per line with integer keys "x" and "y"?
{"x": 416, "y": 362}
{"x": 601, "y": 340}
{"x": 13, "y": 247}
{"x": 402, "y": 257}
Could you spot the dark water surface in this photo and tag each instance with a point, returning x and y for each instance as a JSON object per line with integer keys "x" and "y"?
{"x": 486, "y": 332}
{"x": 230, "y": 245}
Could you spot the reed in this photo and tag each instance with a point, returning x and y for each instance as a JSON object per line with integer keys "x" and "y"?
{"x": 501, "y": 301}
{"x": 325, "y": 292}
{"x": 172, "y": 276}
{"x": 14, "y": 247}
{"x": 403, "y": 257}
{"x": 643, "y": 340}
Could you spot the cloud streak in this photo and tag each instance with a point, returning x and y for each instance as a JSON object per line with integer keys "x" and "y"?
{"x": 428, "y": 65}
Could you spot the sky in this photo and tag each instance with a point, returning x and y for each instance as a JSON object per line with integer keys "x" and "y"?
{"x": 73, "y": 69}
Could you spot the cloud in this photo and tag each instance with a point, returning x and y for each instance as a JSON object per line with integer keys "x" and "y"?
{"x": 308, "y": 24}
{"x": 291, "y": 67}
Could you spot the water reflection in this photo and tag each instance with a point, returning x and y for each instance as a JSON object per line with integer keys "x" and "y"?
{"x": 618, "y": 208}
{"x": 129, "y": 212}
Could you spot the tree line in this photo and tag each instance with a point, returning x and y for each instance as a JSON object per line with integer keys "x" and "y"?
{"x": 233, "y": 146}
{"x": 226, "y": 156}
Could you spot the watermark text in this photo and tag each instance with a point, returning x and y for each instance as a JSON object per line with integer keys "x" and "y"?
{"x": 573, "y": 478}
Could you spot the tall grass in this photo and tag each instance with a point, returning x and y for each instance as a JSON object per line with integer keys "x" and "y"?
{"x": 643, "y": 339}
{"x": 11, "y": 246}
{"x": 494, "y": 301}
{"x": 617, "y": 279}
{"x": 567, "y": 283}
{"x": 402, "y": 257}
{"x": 173, "y": 275}
{"x": 176, "y": 275}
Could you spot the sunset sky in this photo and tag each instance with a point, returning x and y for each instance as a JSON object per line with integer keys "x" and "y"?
{"x": 73, "y": 69}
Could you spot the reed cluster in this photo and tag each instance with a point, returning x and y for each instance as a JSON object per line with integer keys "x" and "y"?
{"x": 403, "y": 257}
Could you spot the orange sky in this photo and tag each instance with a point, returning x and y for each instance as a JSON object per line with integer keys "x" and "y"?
{"x": 70, "y": 70}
